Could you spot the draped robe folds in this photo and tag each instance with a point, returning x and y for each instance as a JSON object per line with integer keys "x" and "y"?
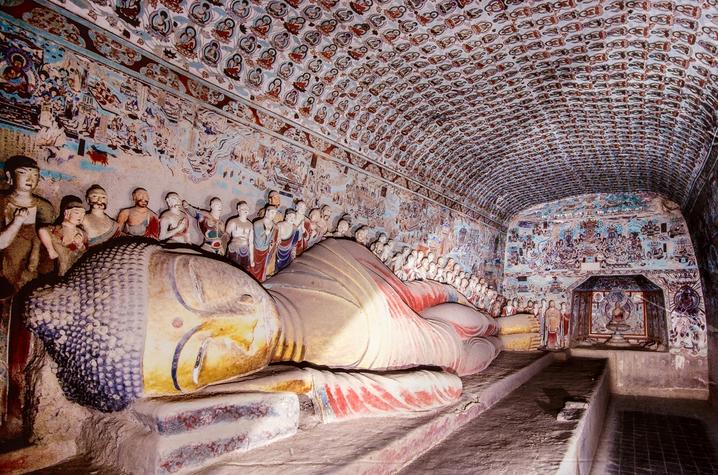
{"x": 285, "y": 248}
{"x": 339, "y": 306}
{"x": 264, "y": 244}
{"x": 303, "y": 241}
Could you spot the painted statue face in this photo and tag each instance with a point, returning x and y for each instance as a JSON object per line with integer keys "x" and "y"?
{"x": 301, "y": 208}
{"x": 173, "y": 200}
{"x": 215, "y": 206}
{"x": 26, "y": 178}
{"x": 274, "y": 198}
{"x": 141, "y": 198}
{"x": 342, "y": 227}
{"x": 243, "y": 210}
{"x": 298, "y": 219}
{"x": 271, "y": 214}
{"x": 97, "y": 198}
{"x": 75, "y": 215}
{"x": 207, "y": 322}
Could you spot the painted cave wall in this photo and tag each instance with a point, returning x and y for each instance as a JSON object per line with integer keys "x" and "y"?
{"x": 87, "y": 119}
{"x": 554, "y": 247}
{"x": 703, "y": 223}
{"x": 88, "y": 123}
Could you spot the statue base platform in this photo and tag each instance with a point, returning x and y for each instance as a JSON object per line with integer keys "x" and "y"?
{"x": 153, "y": 441}
{"x": 617, "y": 339}
{"x": 167, "y": 436}
{"x": 374, "y": 446}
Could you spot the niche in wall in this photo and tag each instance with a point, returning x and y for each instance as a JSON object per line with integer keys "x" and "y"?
{"x": 619, "y": 312}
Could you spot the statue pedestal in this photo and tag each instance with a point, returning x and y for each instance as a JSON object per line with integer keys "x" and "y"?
{"x": 617, "y": 338}
{"x": 168, "y": 436}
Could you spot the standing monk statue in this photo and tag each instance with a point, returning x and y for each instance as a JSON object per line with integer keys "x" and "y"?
{"x": 23, "y": 213}
{"x": 66, "y": 242}
{"x": 139, "y": 220}
{"x": 98, "y": 225}
{"x": 241, "y": 231}
{"x": 175, "y": 222}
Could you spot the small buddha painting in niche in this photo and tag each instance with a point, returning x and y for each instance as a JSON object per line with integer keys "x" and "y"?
{"x": 619, "y": 312}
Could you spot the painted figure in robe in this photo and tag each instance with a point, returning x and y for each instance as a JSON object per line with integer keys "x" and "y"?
{"x": 97, "y": 224}
{"x": 23, "y": 213}
{"x": 240, "y": 249}
{"x": 265, "y": 241}
{"x": 175, "y": 225}
{"x": 211, "y": 225}
{"x": 139, "y": 220}
{"x": 66, "y": 242}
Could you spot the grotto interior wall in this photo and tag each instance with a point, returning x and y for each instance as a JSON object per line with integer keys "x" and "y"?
{"x": 703, "y": 223}
{"x": 552, "y": 248}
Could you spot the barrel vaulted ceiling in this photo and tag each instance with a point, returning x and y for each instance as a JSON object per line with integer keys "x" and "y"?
{"x": 501, "y": 104}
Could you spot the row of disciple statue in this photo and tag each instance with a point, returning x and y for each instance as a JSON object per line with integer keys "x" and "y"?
{"x": 262, "y": 247}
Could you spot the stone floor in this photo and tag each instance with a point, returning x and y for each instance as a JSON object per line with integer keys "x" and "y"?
{"x": 658, "y": 436}
{"x": 521, "y": 434}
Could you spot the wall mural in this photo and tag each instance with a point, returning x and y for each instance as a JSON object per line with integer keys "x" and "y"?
{"x": 552, "y": 248}
{"x": 628, "y": 306}
{"x": 439, "y": 90}
{"x": 147, "y": 69}
{"x": 86, "y": 123}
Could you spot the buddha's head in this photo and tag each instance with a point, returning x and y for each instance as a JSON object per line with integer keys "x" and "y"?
{"x": 134, "y": 320}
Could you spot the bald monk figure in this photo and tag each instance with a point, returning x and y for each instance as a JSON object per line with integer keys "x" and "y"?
{"x": 166, "y": 322}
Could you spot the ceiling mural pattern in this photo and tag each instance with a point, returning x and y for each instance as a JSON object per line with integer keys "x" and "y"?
{"x": 503, "y": 104}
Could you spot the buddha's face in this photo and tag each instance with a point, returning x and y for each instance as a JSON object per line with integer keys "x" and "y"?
{"x": 207, "y": 322}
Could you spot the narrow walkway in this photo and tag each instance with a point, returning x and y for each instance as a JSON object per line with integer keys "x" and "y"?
{"x": 658, "y": 436}
{"x": 521, "y": 434}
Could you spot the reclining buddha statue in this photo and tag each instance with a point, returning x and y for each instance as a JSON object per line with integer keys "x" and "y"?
{"x": 135, "y": 320}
